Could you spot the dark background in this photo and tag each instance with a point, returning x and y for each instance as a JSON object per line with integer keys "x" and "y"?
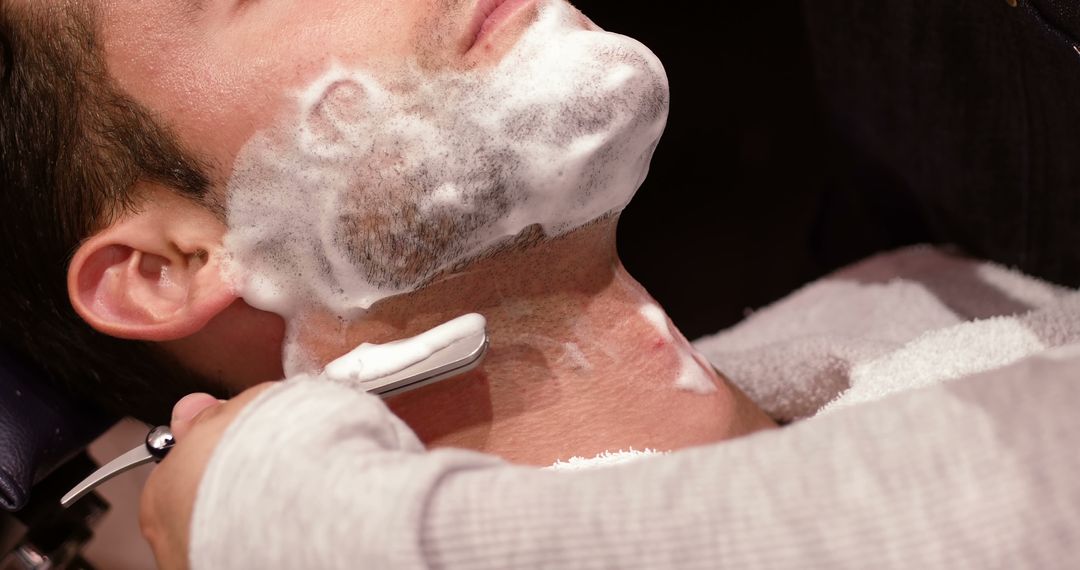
{"x": 909, "y": 122}
{"x": 723, "y": 222}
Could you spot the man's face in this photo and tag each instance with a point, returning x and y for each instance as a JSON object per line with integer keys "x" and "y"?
{"x": 217, "y": 71}
{"x": 367, "y": 147}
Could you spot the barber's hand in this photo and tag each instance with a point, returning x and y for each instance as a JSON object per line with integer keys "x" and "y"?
{"x": 168, "y": 499}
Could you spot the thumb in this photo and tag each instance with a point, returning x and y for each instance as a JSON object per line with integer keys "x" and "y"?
{"x": 187, "y": 412}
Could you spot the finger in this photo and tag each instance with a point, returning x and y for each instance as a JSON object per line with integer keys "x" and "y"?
{"x": 187, "y": 411}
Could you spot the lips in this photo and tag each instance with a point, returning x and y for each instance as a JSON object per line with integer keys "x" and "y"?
{"x": 489, "y": 15}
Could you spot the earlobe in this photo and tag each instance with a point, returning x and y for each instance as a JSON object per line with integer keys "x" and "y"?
{"x": 132, "y": 280}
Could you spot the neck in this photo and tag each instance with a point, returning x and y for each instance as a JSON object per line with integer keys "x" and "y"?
{"x": 582, "y": 359}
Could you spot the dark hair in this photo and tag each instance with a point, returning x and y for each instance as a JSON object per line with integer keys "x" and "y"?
{"x": 72, "y": 147}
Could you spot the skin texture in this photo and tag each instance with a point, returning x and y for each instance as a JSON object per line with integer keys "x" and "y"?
{"x": 569, "y": 353}
{"x": 574, "y": 369}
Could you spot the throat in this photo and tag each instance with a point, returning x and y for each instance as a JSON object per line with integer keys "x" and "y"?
{"x": 582, "y": 361}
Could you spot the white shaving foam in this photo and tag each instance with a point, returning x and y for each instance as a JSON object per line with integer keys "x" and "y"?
{"x": 369, "y": 362}
{"x": 692, "y": 375}
{"x": 375, "y": 185}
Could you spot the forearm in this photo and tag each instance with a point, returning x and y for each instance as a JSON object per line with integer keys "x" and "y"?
{"x": 974, "y": 473}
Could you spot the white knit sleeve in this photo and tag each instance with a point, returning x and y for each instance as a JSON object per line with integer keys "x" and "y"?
{"x": 979, "y": 473}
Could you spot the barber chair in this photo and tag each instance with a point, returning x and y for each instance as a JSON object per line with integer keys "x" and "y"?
{"x": 43, "y": 435}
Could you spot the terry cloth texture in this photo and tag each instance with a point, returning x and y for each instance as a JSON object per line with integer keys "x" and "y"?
{"x": 979, "y": 472}
{"x": 893, "y": 322}
{"x": 602, "y": 460}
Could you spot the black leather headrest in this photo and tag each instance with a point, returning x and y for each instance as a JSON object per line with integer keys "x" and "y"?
{"x": 40, "y": 429}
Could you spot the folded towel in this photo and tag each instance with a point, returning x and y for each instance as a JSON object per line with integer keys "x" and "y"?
{"x": 605, "y": 459}
{"x": 893, "y": 322}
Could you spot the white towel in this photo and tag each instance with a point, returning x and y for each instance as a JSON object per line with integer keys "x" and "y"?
{"x": 893, "y": 322}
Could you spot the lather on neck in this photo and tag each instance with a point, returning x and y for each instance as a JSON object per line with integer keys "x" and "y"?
{"x": 576, "y": 367}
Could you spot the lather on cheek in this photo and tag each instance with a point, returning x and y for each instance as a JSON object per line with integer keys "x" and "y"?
{"x": 378, "y": 183}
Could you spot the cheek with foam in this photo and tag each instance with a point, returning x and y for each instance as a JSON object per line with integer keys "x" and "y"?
{"x": 379, "y": 184}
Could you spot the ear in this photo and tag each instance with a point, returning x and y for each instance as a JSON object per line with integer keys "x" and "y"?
{"x": 153, "y": 275}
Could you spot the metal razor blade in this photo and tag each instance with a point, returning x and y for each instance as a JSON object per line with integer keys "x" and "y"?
{"x": 456, "y": 359}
